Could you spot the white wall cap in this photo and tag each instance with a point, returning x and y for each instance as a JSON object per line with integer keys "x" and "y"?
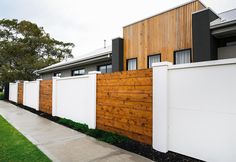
{"x": 72, "y": 77}
{"x": 94, "y": 72}
{"x": 55, "y": 77}
{"x": 159, "y": 64}
{"x": 205, "y": 64}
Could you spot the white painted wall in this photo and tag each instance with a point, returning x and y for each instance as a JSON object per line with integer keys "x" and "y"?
{"x": 31, "y": 94}
{"x": 75, "y": 98}
{"x": 160, "y": 103}
{"x": 202, "y": 110}
{"x": 13, "y": 92}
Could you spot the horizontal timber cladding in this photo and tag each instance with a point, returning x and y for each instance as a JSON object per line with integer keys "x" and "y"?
{"x": 45, "y": 96}
{"x": 124, "y": 104}
{"x": 20, "y": 93}
{"x": 161, "y": 34}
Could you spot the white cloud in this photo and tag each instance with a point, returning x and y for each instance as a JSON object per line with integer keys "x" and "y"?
{"x": 88, "y": 23}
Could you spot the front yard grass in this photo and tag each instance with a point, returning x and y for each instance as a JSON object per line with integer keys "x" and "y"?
{"x": 15, "y": 147}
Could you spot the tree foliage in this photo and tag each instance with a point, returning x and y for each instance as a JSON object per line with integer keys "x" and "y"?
{"x": 25, "y": 47}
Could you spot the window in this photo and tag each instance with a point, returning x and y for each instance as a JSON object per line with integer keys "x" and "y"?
{"x": 153, "y": 59}
{"x": 57, "y": 74}
{"x": 109, "y": 68}
{"x": 182, "y": 57}
{"x": 231, "y": 43}
{"x": 105, "y": 68}
{"x": 78, "y": 72}
{"x": 132, "y": 64}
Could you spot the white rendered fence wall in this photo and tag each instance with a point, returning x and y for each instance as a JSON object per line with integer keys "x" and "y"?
{"x": 75, "y": 98}
{"x": 13, "y": 92}
{"x": 31, "y": 94}
{"x": 201, "y": 107}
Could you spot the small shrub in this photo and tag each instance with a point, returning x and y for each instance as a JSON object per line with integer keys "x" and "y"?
{"x": 1, "y": 95}
{"x": 96, "y": 133}
{"x": 101, "y": 135}
{"x": 77, "y": 126}
{"x": 108, "y": 137}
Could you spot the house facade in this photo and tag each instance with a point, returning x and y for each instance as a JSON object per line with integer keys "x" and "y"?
{"x": 214, "y": 35}
{"x": 98, "y": 60}
{"x": 160, "y": 37}
{"x": 106, "y": 60}
{"x": 187, "y": 33}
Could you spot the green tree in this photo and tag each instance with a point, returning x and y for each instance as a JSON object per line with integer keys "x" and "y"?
{"x": 25, "y": 47}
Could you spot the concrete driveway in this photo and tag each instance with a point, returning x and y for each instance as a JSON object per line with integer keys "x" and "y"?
{"x": 60, "y": 143}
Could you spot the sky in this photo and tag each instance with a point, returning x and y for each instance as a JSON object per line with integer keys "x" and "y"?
{"x": 87, "y": 23}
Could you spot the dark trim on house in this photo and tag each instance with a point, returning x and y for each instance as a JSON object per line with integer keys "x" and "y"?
{"x": 191, "y": 57}
{"x": 55, "y": 73}
{"x": 72, "y": 71}
{"x": 104, "y": 65}
{"x": 204, "y": 44}
{"x": 132, "y": 59}
{"x": 117, "y": 54}
{"x": 223, "y": 42}
{"x": 151, "y": 56}
{"x": 6, "y": 91}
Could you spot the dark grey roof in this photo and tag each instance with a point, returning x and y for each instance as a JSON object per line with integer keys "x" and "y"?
{"x": 226, "y": 18}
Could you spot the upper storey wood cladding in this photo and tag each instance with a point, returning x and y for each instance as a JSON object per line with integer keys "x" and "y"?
{"x": 161, "y": 34}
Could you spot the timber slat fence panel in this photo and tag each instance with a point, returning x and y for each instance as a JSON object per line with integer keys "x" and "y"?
{"x": 124, "y": 104}
{"x": 20, "y": 93}
{"x": 45, "y": 96}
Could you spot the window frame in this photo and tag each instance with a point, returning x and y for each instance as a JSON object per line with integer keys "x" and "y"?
{"x": 190, "y": 49}
{"x": 106, "y": 67}
{"x": 55, "y": 74}
{"x": 72, "y": 71}
{"x": 158, "y": 54}
{"x": 127, "y": 61}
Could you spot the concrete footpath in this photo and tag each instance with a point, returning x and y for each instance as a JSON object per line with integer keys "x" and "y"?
{"x": 60, "y": 143}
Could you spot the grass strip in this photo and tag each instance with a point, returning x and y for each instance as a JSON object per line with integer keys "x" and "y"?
{"x": 15, "y": 147}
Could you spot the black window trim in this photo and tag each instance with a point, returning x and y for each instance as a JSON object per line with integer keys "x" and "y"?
{"x": 151, "y": 56}
{"x": 190, "y": 49}
{"x": 77, "y": 69}
{"x": 55, "y": 73}
{"x": 127, "y": 60}
{"x": 104, "y": 65}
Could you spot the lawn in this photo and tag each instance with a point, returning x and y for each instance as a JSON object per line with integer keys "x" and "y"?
{"x": 14, "y": 147}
